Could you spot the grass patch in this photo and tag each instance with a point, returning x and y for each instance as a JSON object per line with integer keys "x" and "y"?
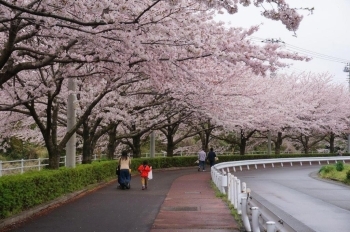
{"x": 338, "y": 172}
{"x": 223, "y": 197}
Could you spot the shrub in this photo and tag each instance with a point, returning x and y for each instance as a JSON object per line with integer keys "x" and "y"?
{"x": 339, "y": 166}
{"x": 326, "y": 169}
{"x": 21, "y": 192}
{"x": 348, "y": 175}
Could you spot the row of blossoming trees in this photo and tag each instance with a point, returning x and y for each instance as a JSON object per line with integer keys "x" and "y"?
{"x": 154, "y": 65}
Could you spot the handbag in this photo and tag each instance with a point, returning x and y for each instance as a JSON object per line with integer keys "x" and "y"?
{"x": 150, "y": 175}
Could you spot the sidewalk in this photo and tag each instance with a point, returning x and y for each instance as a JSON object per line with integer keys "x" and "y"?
{"x": 191, "y": 205}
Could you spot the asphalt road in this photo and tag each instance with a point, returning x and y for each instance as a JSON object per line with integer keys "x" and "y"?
{"x": 300, "y": 198}
{"x": 109, "y": 208}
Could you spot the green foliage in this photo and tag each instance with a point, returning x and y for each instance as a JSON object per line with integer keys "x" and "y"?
{"x": 348, "y": 175}
{"x": 326, "y": 169}
{"x": 331, "y": 172}
{"x": 339, "y": 166}
{"x": 19, "y": 149}
{"x": 21, "y": 192}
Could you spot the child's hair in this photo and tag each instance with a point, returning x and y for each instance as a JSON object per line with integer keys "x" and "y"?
{"x": 145, "y": 162}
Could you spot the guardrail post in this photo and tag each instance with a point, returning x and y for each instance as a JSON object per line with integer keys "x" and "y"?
{"x": 238, "y": 189}
{"x": 218, "y": 180}
{"x": 270, "y": 226}
{"x": 0, "y": 167}
{"x": 223, "y": 183}
{"x": 215, "y": 178}
{"x": 229, "y": 190}
{"x": 244, "y": 216}
{"x": 22, "y": 166}
{"x": 234, "y": 192}
{"x": 255, "y": 219}
{"x": 39, "y": 163}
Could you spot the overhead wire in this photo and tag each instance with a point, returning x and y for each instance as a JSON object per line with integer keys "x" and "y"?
{"x": 293, "y": 48}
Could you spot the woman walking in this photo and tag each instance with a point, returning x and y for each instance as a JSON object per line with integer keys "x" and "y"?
{"x": 124, "y": 173}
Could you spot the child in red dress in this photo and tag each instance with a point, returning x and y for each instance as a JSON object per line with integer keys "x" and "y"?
{"x": 144, "y": 169}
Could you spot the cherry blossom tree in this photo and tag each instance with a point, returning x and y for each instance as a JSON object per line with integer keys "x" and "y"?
{"x": 35, "y": 34}
{"x": 111, "y": 47}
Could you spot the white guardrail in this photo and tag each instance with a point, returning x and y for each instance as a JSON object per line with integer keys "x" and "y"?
{"x": 254, "y": 215}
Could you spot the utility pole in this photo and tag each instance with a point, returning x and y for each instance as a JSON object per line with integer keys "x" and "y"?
{"x": 347, "y": 69}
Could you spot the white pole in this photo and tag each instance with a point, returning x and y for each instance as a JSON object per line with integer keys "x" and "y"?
{"x": 235, "y": 192}
{"x": 238, "y": 189}
{"x": 229, "y": 191}
{"x": 270, "y": 226}
{"x": 71, "y": 121}
{"x": 255, "y": 219}
{"x": 244, "y": 215}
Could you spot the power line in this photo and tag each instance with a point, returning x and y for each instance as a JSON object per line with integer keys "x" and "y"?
{"x": 293, "y": 48}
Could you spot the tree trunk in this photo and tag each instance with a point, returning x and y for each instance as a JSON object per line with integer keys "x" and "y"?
{"x": 306, "y": 145}
{"x": 205, "y": 136}
{"x": 54, "y": 156}
{"x": 112, "y": 144}
{"x": 331, "y": 143}
{"x": 243, "y": 144}
{"x": 51, "y": 136}
{"x": 86, "y": 144}
{"x": 170, "y": 146}
{"x": 136, "y": 148}
{"x": 278, "y": 143}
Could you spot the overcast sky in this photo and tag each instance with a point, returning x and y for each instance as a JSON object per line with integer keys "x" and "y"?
{"x": 324, "y": 35}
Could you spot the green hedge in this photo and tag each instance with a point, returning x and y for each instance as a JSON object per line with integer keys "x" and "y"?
{"x": 24, "y": 191}
{"x": 21, "y": 192}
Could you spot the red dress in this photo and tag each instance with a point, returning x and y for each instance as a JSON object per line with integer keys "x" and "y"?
{"x": 144, "y": 170}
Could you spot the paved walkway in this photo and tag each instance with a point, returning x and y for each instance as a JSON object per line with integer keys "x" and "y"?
{"x": 191, "y": 205}
{"x": 177, "y": 200}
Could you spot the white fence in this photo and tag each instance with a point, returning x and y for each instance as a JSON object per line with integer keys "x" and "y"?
{"x": 254, "y": 215}
{"x": 21, "y": 166}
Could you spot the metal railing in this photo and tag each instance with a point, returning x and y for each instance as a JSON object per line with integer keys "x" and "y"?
{"x": 23, "y": 165}
{"x": 253, "y": 213}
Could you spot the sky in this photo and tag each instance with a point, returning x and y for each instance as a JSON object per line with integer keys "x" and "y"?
{"x": 323, "y": 35}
